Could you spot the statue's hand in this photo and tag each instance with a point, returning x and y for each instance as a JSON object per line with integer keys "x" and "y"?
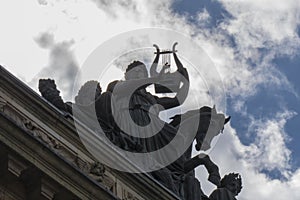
{"x": 164, "y": 78}
{"x": 215, "y": 179}
{"x": 162, "y": 73}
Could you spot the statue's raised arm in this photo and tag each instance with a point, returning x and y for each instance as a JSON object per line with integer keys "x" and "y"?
{"x": 176, "y": 82}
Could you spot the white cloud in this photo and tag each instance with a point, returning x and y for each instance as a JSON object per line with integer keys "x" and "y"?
{"x": 256, "y": 25}
{"x": 261, "y": 31}
{"x": 62, "y": 65}
{"x": 269, "y": 150}
{"x": 263, "y": 23}
{"x": 203, "y": 18}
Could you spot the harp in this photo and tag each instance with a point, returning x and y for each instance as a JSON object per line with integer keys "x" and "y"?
{"x": 172, "y": 82}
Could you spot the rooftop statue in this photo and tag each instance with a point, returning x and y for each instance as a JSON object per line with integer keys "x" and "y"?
{"x": 126, "y": 107}
{"x": 178, "y": 176}
{"x": 47, "y": 88}
{"x": 231, "y": 186}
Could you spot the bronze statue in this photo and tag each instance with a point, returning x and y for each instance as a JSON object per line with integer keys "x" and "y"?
{"x": 231, "y": 186}
{"x": 47, "y": 88}
{"x": 127, "y": 101}
{"x": 178, "y": 176}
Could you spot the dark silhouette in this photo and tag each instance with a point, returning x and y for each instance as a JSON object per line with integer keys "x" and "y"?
{"x": 231, "y": 186}
{"x": 127, "y": 103}
{"x": 178, "y": 176}
{"x": 47, "y": 88}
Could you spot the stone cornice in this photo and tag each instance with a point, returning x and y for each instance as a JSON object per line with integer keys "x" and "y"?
{"x": 53, "y": 133}
{"x": 50, "y": 163}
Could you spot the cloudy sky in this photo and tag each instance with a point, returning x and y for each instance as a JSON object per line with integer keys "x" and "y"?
{"x": 254, "y": 45}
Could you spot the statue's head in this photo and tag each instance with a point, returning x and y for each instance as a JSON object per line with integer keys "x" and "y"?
{"x": 47, "y": 84}
{"x": 88, "y": 93}
{"x": 136, "y": 70}
{"x": 211, "y": 124}
{"x": 111, "y": 86}
{"x": 232, "y": 182}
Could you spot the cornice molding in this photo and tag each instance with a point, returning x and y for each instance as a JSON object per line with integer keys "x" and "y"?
{"x": 53, "y": 131}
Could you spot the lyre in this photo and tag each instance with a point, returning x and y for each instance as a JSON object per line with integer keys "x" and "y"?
{"x": 166, "y": 86}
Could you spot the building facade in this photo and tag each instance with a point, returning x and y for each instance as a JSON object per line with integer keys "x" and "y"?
{"x": 42, "y": 156}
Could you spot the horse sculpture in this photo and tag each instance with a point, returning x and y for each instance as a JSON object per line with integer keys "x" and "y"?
{"x": 201, "y": 125}
{"x": 179, "y": 176}
{"x": 210, "y": 125}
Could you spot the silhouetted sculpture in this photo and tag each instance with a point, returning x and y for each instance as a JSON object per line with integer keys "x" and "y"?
{"x": 231, "y": 186}
{"x": 85, "y": 91}
{"x": 178, "y": 176}
{"x": 48, "y": 89}
{"x": 107, "y": 122}
{"x": 191, "y": 188}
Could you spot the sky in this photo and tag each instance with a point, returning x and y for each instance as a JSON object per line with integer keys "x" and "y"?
{"x": 254, "y": 45}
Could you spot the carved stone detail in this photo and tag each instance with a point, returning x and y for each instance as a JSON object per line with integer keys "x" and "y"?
{"x": 81, "y": 164}
{"x": 15, "y": 166}
{"x": 109, "y": 183}
{"x": 128, "y": 196}
{"x": 96, "y": 171}
{"x": 29, "y": 125}
{"x": 37, "y": 132}
{"x": 15, "y": 116}
{"x": 42, "y": 135}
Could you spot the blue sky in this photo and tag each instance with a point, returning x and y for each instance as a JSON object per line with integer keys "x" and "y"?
{"x": 267, "y": 100}
{"x": 254, "y": 45}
